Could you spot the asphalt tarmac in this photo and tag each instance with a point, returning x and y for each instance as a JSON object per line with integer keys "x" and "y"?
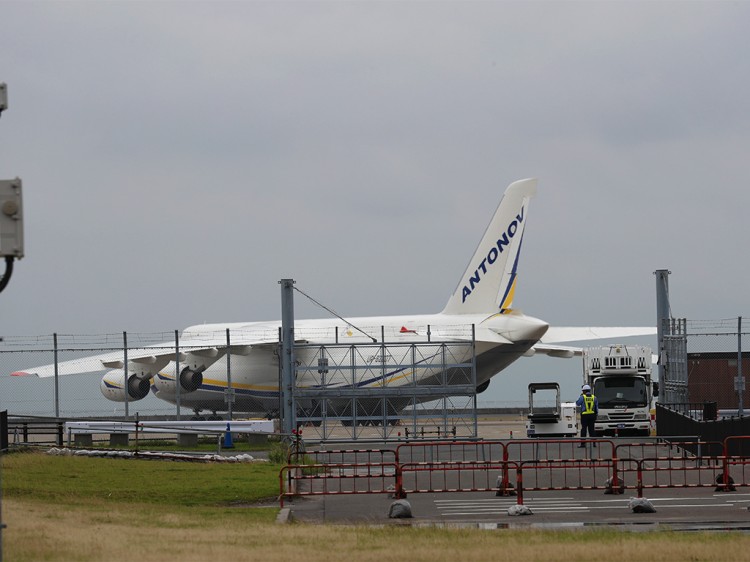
{"x": 679, "y": 509}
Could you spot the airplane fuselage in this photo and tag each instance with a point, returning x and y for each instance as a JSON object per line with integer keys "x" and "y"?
{"x": 196, "y": 371}
{"x": 255, "y": 373}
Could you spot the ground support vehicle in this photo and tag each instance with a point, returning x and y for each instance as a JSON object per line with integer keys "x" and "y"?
{"x": 548, "y": 417}
{"x": 620, "y": 377}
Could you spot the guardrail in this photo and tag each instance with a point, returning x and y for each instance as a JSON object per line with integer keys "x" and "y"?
{"x": 347, "y": 478}
{"x": 41, "y": 432}
{"x": 55, "y": 431}
{"x": 539, "y": 465}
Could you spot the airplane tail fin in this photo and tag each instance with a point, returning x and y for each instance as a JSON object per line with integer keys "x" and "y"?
{"x": 489, "y": 283}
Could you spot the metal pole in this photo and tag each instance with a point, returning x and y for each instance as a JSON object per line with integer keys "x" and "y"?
{"x": 323, "y": 371}
{"x": 57, "y": 378}
{"x": 740, "y": 377}
{"x": 353, "y": 400}
{"x": 125, "y": 369}
{"x": 2, "y": 525}
{"x": 474, "y": 375}
{"x": 662, "y": 315}
{"x": 444, "y": 399}
{"x": 288, "y": 410}
{"x": 177, "y": 370}
{"x": 280, "y": 376}
{"x": 230, "y": 390}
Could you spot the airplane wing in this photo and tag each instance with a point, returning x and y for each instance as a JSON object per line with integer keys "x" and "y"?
{"x": 91, "y": 364}
{"x": 147, "y": 361}
{"x": 547, "y": 345}
{"x": 556, "y": 334}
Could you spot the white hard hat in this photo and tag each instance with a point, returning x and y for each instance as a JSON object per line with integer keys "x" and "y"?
{"x": 585, "y": 387}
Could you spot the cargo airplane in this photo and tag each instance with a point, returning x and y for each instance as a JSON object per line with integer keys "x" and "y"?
{"x": 480, "y": 308}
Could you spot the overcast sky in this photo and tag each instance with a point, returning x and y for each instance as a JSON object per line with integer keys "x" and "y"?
{"x": 179, "y": 158}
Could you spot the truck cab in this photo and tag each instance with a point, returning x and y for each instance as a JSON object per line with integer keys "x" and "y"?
{"x": 620, "y": 377}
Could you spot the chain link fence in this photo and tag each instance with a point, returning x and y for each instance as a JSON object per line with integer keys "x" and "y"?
{"x": 76, "y": 391}
{"x": 189, "y": 375}
{"x": 705, "y": 363}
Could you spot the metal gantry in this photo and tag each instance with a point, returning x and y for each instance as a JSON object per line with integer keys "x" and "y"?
{"x": 386, "y": 390}
{"x": 674, "y": 384}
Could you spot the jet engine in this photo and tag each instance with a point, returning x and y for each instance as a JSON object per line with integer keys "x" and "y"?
{"x": 113, "y": 386}
{"x": 190, "y": 381}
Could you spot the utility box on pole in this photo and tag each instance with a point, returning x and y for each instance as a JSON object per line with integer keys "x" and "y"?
{"x": 11, "y": 219}
{"x": 3, "y": 97}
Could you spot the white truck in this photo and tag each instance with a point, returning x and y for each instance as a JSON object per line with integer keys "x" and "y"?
{"x": 620, "y": 377}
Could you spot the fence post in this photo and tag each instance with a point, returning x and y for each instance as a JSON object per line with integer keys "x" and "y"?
{"x": 230, "y": 390}
{"x": 57, "y": 387}
{"x": 399, "y": 493}
{"x": 615, "y": 479}
{"x": 740, "y": 378}
{"x": 3, "y": 430}
{"x": 136, "y": 433}
{"x": 726, "y": 481}
{"x": 177, "y": 371}
{"x": 125, "y": 369}
{"x": 519, "y": 485}
{"x": 281, "y": 487}
{"x": 506, "y": 477}
{"x": 640, "y": 478}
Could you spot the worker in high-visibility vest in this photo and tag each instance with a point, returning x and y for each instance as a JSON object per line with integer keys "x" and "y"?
{"x": 588, "y": 405}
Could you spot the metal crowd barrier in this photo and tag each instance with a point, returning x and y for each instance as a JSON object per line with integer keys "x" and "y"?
{"x": 539, "y": 465}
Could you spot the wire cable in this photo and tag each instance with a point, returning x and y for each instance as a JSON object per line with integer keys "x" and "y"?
{"x": 8, "y": 272}
{"x": 324, "y": 307}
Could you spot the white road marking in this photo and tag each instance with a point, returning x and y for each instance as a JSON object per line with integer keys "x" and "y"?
{"x": 566, "y": 504}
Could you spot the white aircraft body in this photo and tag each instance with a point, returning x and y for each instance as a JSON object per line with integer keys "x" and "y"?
{"x": 482, "y": 300}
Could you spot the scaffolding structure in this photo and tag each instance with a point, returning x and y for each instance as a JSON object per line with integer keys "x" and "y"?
{"x": 675, "y": 380}
{"x": 385, "y": 391}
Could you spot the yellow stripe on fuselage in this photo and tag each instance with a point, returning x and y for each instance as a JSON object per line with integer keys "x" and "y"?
{"x": 222, "y": 383}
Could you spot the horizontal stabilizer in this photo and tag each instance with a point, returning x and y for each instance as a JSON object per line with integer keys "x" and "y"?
{"x": 564, "y": 334}
{"x": 556, "y": 350}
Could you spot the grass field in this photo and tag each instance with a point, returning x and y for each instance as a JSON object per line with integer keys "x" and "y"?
{"x": 83, "y": 509}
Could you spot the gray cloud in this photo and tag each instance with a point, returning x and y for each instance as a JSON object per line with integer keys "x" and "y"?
{"x": 180, "y": 158}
